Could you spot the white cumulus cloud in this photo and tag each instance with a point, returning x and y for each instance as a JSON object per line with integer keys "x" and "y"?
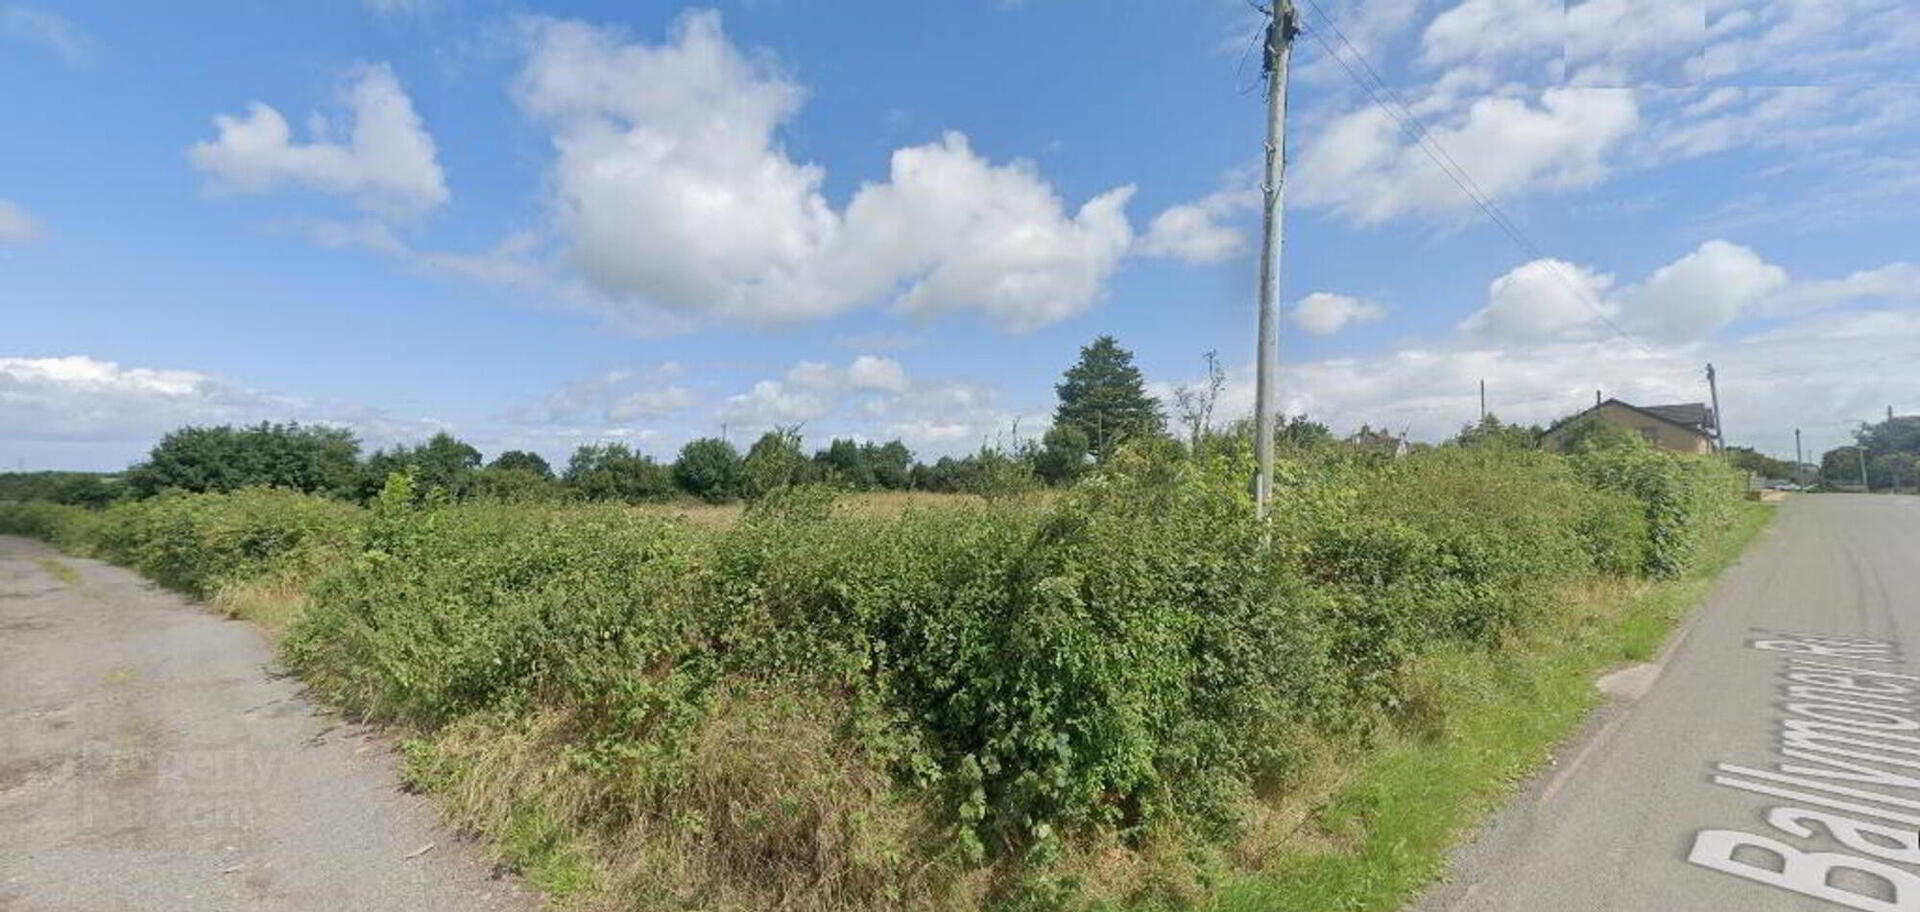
{"x": 1896, "y": 282}
{"x": 82, "y": 411}
{"x": 386, "y": 162}
{"x": 673, "y": 191}
{"x": 1702, "y": 291}
{"x": 1324, "y": 313}
{"x": 866, "y": 372}
{"x": 652, "y": 403}
{"x": 1194, "y": 232}
{"x": 1690, "y": 298}
{"x": 877, "y": 373}
{"x": 1362, "y": 167}
{"x": 770, "y": 402}
{"x": 1543, "y": 299}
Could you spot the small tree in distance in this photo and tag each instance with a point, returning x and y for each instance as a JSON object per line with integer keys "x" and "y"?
{"x": 443, "y": 463}
{"x": 613, "y": 471}
{"x": 844, "y": 463}
{"x": 708, "y": 468}
{"x": 1490, "y": 431}
{"x": 774, "y": 461}
{"x": 1195, "y": 405}
{"x": 523, "y": 461}
{"x": 1062, "y": 456}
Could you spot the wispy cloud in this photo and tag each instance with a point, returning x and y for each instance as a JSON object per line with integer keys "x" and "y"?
{"x": 71, "y": 43}
{"x": 16, "y": 226}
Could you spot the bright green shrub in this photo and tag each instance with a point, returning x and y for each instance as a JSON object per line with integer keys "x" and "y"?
{"x": 448, "y": 610}
{"x": 1614, "y": 527}
{"x": 710, "y": 469}
{"x": 1446, "y": 544}
{"x": 68, "y": 527}
{"x": 1685, "y": 498}
{"x": 193, "y": 542}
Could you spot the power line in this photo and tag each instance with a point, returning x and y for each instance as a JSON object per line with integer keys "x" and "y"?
{"x": 1411, "y": 124}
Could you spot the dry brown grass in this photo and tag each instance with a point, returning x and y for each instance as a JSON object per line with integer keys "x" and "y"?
{"x": 271, "y": 604}
{"x": 772, "y": 811}
{"x": 272, "y": 601}
{"x": 867, "y": 504}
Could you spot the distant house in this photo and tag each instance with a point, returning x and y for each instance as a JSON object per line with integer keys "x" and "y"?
{"x": 1381, "y": 441}
{"x": 1684, "y": 428}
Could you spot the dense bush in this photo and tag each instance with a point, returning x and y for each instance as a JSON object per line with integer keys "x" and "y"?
{"x": 71, "y": 528}
{"x": 1684, "y": 498}
{"x": 79, "y": 489}
{"x": 1131, "y": 658}
{"x": 710, "y": 469}
{"x": 310, "y": 458}
{"x": 614, "y": 472}
{"x": 194, "y": 542}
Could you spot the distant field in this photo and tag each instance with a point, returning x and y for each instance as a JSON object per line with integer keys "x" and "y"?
{"x": 877, "y": 504}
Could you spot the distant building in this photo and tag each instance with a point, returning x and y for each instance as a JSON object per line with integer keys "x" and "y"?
{"x": 1368, "y": 438}
{"x": 1684, "y": 428}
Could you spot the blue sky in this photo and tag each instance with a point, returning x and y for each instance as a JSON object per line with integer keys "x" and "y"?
{"x": 538, "y": 225}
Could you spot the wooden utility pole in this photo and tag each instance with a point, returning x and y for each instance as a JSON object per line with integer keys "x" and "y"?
{"x": 1483, "y": 402}
{"x": 1280, "y": 31}
{"x": 1893, "y": 461}
{"x": 1719, "y": 432}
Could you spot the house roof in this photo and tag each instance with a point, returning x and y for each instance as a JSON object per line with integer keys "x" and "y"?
{"x": 1676, "y": 415}
{"x": 1370, "y": 437}
{"x": 1691, "y": 414}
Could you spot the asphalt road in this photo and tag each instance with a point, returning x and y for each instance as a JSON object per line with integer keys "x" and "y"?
{"x": 150, "y": 760}
{"x": 1769, "y": 761}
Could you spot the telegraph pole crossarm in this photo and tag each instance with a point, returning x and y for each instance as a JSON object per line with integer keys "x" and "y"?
{"x": 1282, "y": 28}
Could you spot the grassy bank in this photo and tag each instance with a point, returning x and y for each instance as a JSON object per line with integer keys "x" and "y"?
{"x": 1127, "y": 694}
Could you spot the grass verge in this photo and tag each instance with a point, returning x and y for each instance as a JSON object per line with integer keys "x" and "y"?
{"x": 1385, "y": 830}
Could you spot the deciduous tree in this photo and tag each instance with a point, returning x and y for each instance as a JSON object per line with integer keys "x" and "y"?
{"x": 308, "y": 458}
{"x": 522, "y": 460}
{"x": 708, "y": 468}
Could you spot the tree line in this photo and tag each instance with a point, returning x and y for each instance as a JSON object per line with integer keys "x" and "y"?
{"x": 1889, "y": 450}
{"x": 319, "y": 459}
{"x": 1102, "y": 405}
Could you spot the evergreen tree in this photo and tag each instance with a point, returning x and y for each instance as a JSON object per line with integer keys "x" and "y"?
{"x": 1105, "y": 398}
{"x": 1062, "y": 455}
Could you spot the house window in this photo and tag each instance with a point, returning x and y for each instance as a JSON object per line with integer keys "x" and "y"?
{"x": 1652, "y": 435}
